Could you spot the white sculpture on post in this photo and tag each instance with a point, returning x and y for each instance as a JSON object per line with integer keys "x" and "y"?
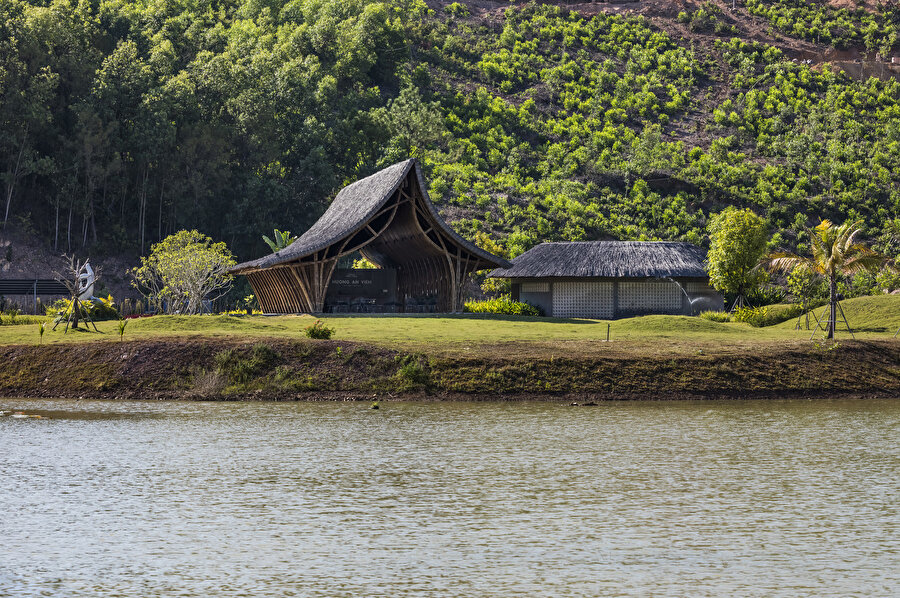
{"x": 86, "y": 281}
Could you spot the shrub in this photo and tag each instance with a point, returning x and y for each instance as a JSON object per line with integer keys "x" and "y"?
{"x": 767, "y": 316}
{"x": 457, "y": 10}
{"x": 319, "y": 330}
{"x": 755, "y": 316}
{"x": 12, "y": 318}
{"x": 715, "y": 316}
{"x": 412, "y": 373}
{"x": 60, "y": 305}
{"x": 502, "y": 305}
{"x": 102, "y": 309}
{"x": 99, "y": 308}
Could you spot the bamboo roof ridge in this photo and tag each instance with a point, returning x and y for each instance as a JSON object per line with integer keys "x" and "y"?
{"x": 351, "y": 211}
{"x": 608, "y": 259}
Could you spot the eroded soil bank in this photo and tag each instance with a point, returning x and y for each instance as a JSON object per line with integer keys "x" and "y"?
{"x": 262, "y": 369}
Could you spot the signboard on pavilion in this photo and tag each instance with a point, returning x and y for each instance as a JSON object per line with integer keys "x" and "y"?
{"x": 378, "y": 284}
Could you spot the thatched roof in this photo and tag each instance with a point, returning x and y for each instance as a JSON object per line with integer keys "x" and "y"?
{"x": 352, "y": 209}
{"x": 608, "y": 259}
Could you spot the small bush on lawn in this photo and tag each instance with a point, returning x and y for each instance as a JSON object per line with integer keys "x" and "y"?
{"x": 767, "y": 316}
{"x": 13, "y": 318}
{"x": 102, "y": 308}
{"x": 502, "y": 305}
{"x": 99, "y": 308}
{"x": 755, "y": 316}
{"x": 319, "y": 330}
{"x": 715, "y": 316}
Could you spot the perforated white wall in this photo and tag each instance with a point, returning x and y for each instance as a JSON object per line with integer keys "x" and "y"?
{"x": 583, "y": 299}
{"x": 535, "y": 287}
{"x": 697, "y": 287}
{"x": 649, "y": 297}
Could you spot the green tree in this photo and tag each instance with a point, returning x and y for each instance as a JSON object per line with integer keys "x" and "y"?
{"x": 414, "y": 124}
{"x": 835, "y": 253}
{"x": 737, "y": 242}
{"x": 182, "y": 270}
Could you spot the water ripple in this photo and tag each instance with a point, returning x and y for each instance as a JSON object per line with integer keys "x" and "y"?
{"x": 780, "y": 498}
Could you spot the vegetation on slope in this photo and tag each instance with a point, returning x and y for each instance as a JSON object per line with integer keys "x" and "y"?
{"x": 125, "y": 120}
{"x": 283, "y": 369}
{"x": 841, "y": 27}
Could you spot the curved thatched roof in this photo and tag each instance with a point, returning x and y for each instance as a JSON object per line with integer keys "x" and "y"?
{"x": 352, "y": 209}
{"x": 608, "y": 259}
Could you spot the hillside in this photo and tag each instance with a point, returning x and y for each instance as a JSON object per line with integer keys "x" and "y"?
{"x": 123, "y": 121}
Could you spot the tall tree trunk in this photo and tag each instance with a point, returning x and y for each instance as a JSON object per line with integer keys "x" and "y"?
{"x": 69, "y": 227}
{"x": 56, "y": 228}
{"x": 93, "y": 227}
{"x": 832, "y": 299}
{"x": 162, "y": 187}
{"x": 13, "y": 176}
{"x": 143, "y": 208}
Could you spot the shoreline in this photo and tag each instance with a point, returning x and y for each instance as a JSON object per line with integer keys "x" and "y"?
{"x": 568, "y": 399}
{"x": 267, "y": 369}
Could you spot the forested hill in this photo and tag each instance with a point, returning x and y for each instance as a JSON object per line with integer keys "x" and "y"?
{"x": 122, "y": 121}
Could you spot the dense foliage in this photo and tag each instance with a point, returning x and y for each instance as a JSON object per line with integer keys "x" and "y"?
{"x": 125, "y": 120}
{"x": 841, "y": 27}
{"x": 502, "y": 305}
{"x": 737, "y": 242}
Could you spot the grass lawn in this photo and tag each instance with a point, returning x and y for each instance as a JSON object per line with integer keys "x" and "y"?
{"x": 260, "y": 357}
{"x": 871, "y": 317}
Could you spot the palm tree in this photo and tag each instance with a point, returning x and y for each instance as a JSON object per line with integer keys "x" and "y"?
{"x": 835, "y": 253}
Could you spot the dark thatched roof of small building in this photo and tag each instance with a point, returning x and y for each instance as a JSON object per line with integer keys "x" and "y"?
{"x": 351, "y": 210}
{"x": 608, "y": 259}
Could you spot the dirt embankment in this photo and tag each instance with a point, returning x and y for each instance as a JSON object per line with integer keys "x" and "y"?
{"x": 216, "y": 369}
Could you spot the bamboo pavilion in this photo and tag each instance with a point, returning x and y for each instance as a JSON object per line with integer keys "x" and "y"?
{"x": 389, "y": 219}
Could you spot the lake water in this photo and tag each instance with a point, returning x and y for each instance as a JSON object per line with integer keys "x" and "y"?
{"x": 762, "y": 498}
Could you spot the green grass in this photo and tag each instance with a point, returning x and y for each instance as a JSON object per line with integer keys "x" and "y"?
{"x": 868, "y": 316}
{"x": 871, "y": 317}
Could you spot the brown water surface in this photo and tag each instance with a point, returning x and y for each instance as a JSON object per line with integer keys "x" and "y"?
{"x": 762, "y": 498}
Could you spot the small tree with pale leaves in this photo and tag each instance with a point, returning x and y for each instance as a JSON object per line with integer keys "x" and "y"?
{"x": 182, "y": 270}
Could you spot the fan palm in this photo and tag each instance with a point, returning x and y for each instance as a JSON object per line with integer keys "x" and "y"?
{"x": 835, "y": 253}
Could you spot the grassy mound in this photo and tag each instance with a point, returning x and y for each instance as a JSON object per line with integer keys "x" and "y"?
{"x": 875, "y": 314}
